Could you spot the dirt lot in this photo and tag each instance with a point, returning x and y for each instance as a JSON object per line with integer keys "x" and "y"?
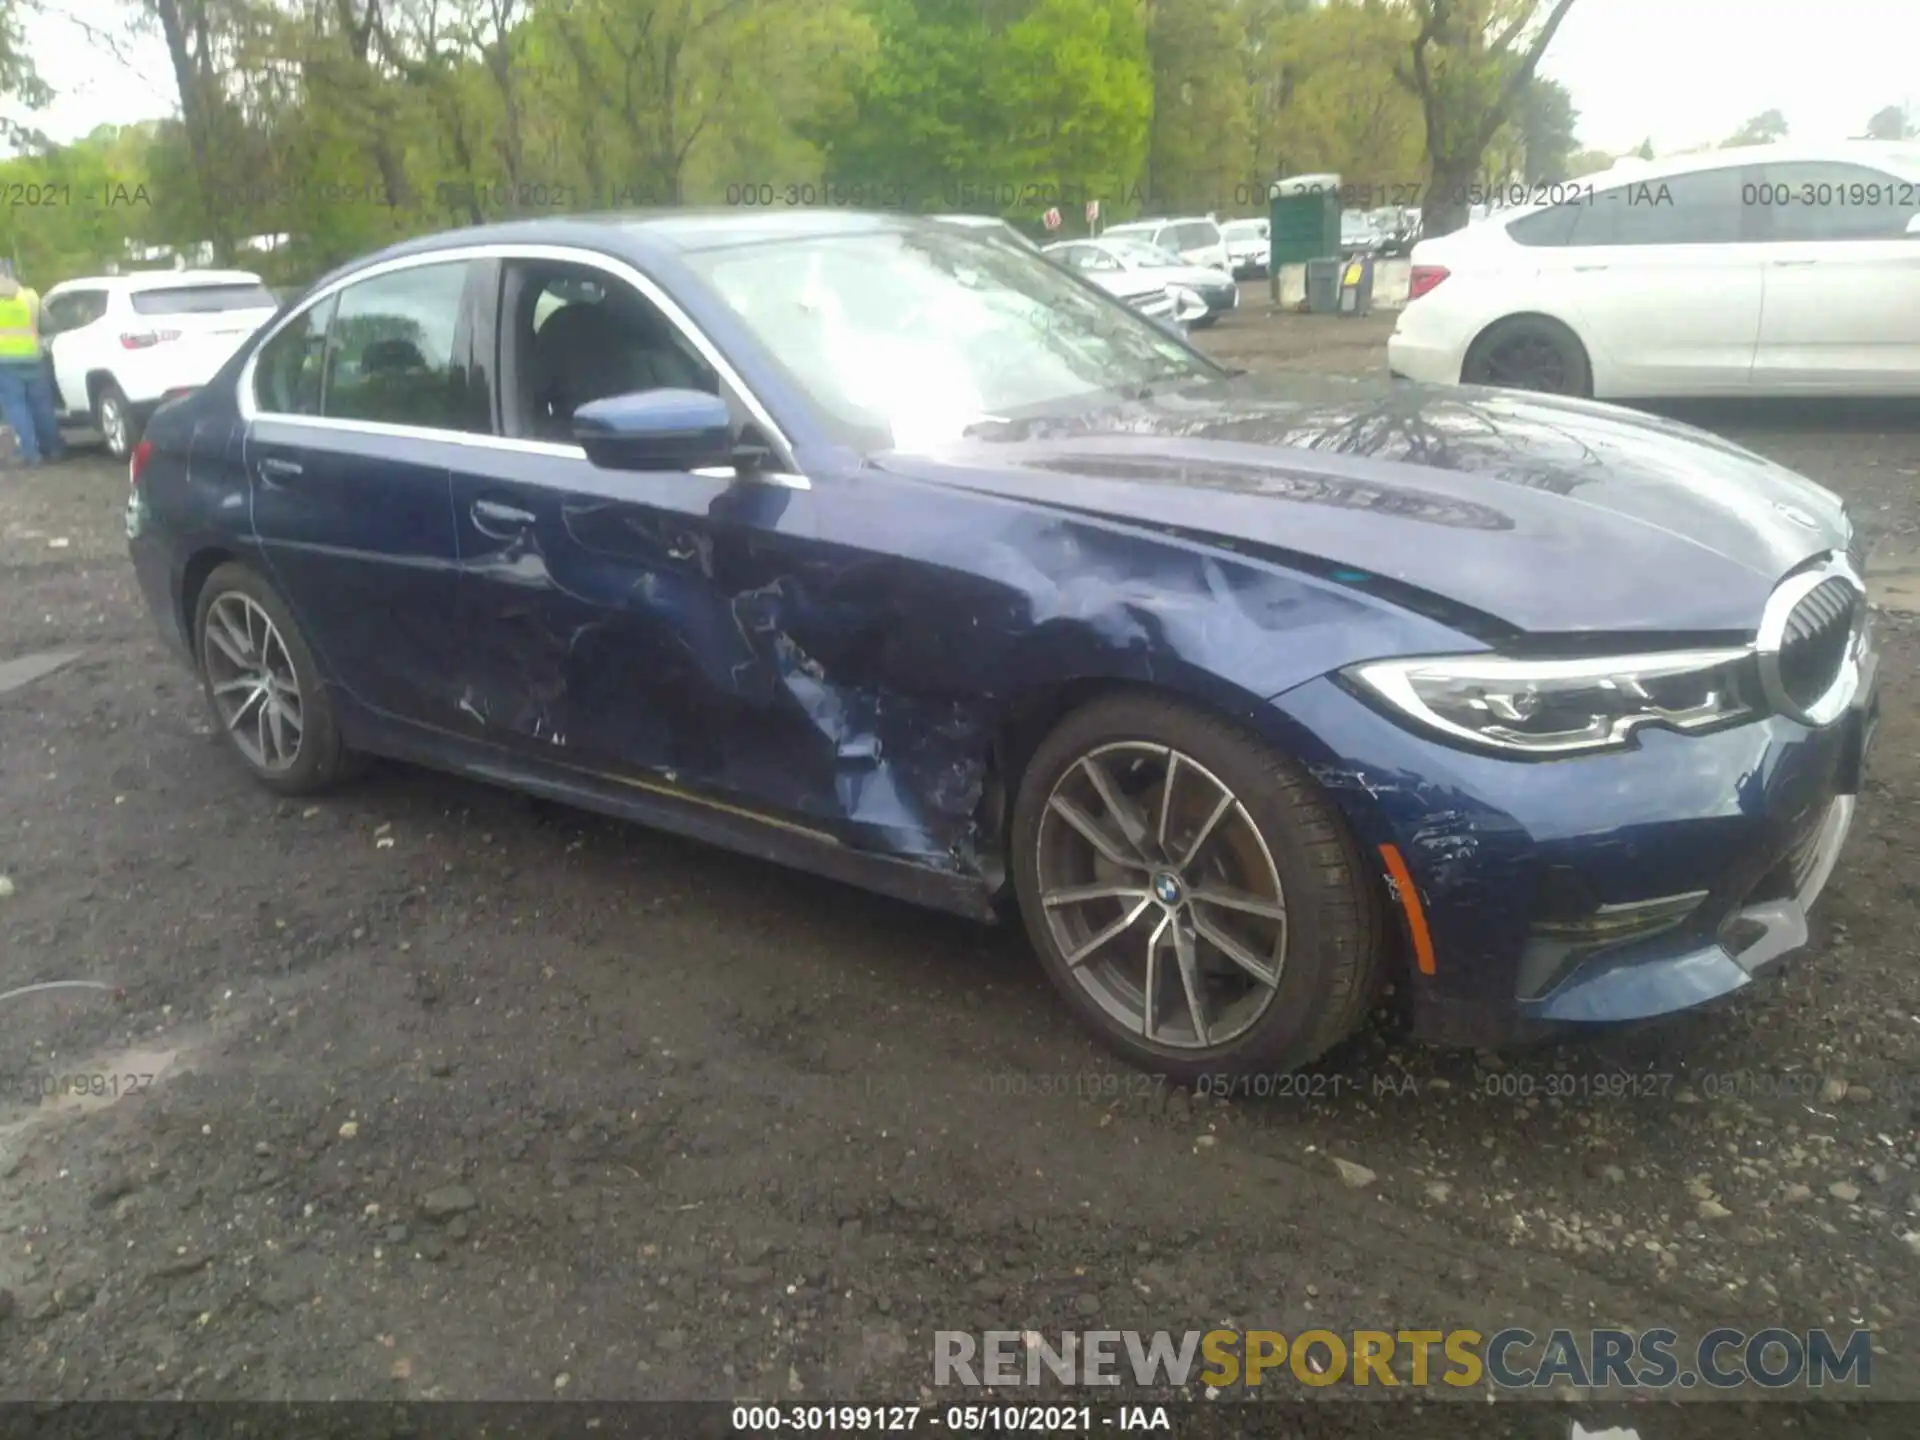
{"x": 456, "y": 1095}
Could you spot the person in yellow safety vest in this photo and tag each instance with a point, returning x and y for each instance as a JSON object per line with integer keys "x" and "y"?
{"x": 26, "y": 390}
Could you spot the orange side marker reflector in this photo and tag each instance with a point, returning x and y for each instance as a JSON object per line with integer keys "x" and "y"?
{"x": 1409, "y": 897}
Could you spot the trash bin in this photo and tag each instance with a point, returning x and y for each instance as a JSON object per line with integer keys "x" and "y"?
{"x": 1323, "y": 286}
{"x": 1356, "y": 285}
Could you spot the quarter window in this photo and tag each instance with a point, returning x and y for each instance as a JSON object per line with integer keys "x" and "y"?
{"x": 390, "y": 350}
{"x": 287, "y": 376}
{"x": 1834, "y": 202}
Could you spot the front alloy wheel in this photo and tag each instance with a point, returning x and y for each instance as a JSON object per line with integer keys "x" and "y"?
{"x": 1161, "y": 896}
{"x": 1191, "y": 893}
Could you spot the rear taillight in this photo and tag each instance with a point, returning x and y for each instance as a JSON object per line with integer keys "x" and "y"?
{"x": 1423, "y": 280}
{"x": 142, "y": 339}
{"x": 138, "y": 462}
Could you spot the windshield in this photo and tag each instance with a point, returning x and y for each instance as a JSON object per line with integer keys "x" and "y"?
{"x": 1245, "y": 230}
{"x": 1139, "y": 252}
{"x": 911, "y": 339}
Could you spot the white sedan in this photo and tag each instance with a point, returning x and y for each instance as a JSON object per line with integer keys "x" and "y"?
{"x": 1764, "y": 270}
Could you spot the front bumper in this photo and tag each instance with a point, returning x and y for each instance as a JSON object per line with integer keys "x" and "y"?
{"x": 1410, "y": 357}
{"x": 1751, "y": 820}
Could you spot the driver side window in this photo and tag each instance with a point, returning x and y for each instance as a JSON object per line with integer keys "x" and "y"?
{"x": 576, "y": 334}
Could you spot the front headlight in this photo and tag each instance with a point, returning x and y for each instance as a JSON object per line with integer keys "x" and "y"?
{"x": 1187, "y": 304}
{"x": 1562, "y": 707}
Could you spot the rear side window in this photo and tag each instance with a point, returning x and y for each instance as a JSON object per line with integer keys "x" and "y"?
{"x": 1548, "y": 227}
{"x": 1703, "y": 208}
{"x": 287, "y": 375}
{"x": 72, "y": 310}
{"x": 390, "y": 352}
{"x": 202, "y": 299}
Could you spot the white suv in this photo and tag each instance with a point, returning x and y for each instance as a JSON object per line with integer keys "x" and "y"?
{"x": 1197, "y": 239}
{"x": 1764, "y": 270}
{"x": 121, "y": 344}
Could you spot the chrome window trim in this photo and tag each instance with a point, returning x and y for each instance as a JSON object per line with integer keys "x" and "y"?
{"x": 1773, "y": 628}
{"x": 567, "y": 254}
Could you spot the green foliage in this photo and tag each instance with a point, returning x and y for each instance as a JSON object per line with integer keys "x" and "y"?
{"x": 1892, "y": 123}
{"x": 1762, "y": 129}
{"x": 336, "y": 126}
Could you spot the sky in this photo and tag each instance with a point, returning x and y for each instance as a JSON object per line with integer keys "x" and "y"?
{"x": 1685, "y": 72}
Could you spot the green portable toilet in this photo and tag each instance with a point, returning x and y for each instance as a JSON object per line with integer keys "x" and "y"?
{"x": 1303, "y": 223}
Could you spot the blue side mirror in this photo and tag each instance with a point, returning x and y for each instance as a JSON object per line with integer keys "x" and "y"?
{"x": 656, "y": 430}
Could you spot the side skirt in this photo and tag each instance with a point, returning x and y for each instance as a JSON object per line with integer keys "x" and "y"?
{"x": 663, "y": 807}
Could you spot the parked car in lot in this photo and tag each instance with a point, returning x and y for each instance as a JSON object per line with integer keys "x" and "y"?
{"x": 1249, "y": 248}
{"x": 990, "y": 225}
{"x": 1763, "y": 270}
{"x": 1197, "y": 239}
{"x": 119, "y": 344}
{"x": 1399, "y": 230}
{"x": 1358, "y": 236}
{"x": 1110, "y": 258}
{"x": 1149, "y": 295}
{"x": 875, "y": 547}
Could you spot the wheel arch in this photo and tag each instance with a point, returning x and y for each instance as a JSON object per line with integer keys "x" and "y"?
{"x": 193, "y": 579}
{"x": 1033, "y": 715}
{"x": 98, "y": 380}
{"x": 1544, "y": 317}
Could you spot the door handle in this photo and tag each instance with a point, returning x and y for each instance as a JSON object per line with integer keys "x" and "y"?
{"x": 1587, "y": 269}
{"x": 1796, "y": 262}
{"x": 491, "y": 517}
{"x": 273, "y": 468}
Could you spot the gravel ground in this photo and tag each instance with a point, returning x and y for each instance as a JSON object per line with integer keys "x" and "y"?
{"x": 455, "y": 1095}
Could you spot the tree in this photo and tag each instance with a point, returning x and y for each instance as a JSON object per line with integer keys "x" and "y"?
{"x": 1892, "y": 123}
{"x": 1763, "y": 129}
{"x": 1331, "y": 102}
{"x": 1202, "y": 125}
{"x": 1545, "y": 121}
{"x": 1469, "y": 63}
{"x": 19, "y": 81}
{"x": 1587, "y": 162}
{"x": 965, "y": 108}
{"x": 1645, "y": 152}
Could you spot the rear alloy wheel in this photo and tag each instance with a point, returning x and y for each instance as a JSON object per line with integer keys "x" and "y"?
{"x": 113, "y": 418}
{"x": 262, "y": 685}
{"x": 1529, "y": 353}
{"x": 1191, "y": 893}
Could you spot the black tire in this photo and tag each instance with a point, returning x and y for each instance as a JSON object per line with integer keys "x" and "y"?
{"x": 1206, "y": 321}
{"x": 320, "y": 760}
{"x": 113, "y": 417}
{"x": 1334, "y": 958}
{"x": 1529, "y": 352}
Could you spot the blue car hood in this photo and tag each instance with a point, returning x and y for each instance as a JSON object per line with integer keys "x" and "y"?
{"x": 1549, "y": 515}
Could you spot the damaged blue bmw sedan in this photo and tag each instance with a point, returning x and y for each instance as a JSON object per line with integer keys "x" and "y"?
{"x": 868, "y": 545}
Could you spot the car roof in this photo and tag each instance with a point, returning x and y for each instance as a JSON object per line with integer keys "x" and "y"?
{"x": 654, "y": 233}
{"x": 162, "y": 280}
{"x": 1630, "y": 168}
